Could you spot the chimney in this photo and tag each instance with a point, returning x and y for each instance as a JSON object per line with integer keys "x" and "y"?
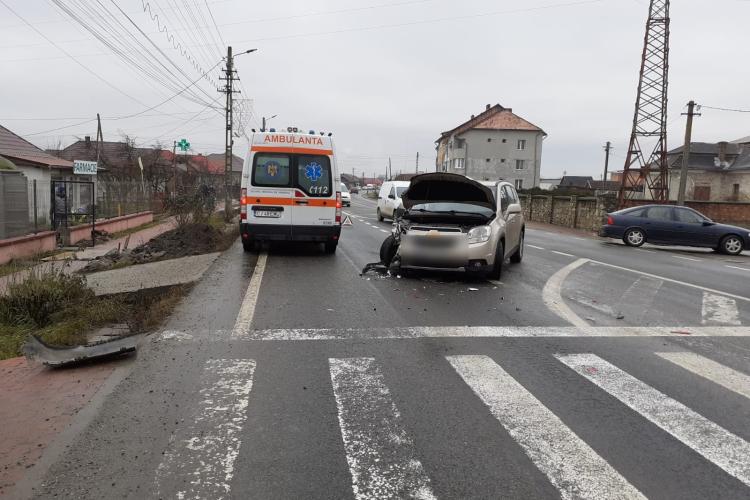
{"x": 88, "y": 141}
{"x": 723, "y": 152}
{"x": 488, "y": 106}
{"x": 472, "y": 117}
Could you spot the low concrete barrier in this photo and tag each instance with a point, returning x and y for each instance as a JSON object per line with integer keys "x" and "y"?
{"x": 46, "y": 241}
{"x": 26, "y": 246}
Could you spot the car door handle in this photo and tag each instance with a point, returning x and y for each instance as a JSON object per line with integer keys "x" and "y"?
{"x": 300, "y": 202}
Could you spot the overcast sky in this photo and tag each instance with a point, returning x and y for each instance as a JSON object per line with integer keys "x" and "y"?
{"x": 385, "y": 76}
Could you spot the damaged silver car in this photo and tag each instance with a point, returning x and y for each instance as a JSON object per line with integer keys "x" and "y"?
{"x": 451, "y": 222}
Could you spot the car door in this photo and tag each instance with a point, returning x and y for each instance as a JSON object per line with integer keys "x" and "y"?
{"x": 690, "y": 230}
{"x": 509, "y": 200}
{"x": 660, "y": 225}
{"x": 314, "y": 198}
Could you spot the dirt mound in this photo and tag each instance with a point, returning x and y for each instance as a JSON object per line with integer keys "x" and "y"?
{"x": 192, "y": 239}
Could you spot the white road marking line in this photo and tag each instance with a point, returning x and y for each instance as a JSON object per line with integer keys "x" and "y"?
{"x": 724, "y": 449}
{"x": 562, "y": 253}
{"x": 199, "y": 462}
{"x": 686, "y": 258}
{"x": 719, "y": 310}
{"x": 534, "y": 246}
{"x": 301, "y": 334}
{"x": 547, "y": 441}
{"x": 552, "y": 295}
{"x": 710, "y": 369}
{"x": 669, "y": 280}
{"x": 247, "y": 310}
{"x": 380, "y": 454}
{"x": 384, "y": 231}
{"x": 740, "y": 268}
{"x": 639, "y": 298}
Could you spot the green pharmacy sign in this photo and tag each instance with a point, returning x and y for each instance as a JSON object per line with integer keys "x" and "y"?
{"x": 184, "y": 145}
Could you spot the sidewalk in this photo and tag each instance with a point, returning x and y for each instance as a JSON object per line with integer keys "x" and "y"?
{"x": 81, "y": 258}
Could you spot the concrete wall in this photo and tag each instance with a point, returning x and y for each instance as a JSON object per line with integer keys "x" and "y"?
{"x": 75, "y": 234}
{"x": 487, "y": 157}
{"x": 27, "y": 246}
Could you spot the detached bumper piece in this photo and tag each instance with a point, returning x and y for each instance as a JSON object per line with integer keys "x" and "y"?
{"x": 57, "y": 357}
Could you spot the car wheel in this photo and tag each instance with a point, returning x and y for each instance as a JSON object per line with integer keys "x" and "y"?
{"x": 732, "y": 245}
{"x": 517, "y": 256}
{"x": 497, "y": 266}
{"x": 380, "y": 215}
{"x": 388, "y": 250}
{"x": 634, "y": 237}
{"x": 330, "y": 247}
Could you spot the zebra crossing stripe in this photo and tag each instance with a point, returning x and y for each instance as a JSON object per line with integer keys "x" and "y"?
{"x": 380, "y": 454}
{"x": 719, "y": 310}
{"x": 199, "y": 462}
{"x": 571, "y": 465}
{"x": 711, "y": 370}
{"x": 724, "y": 449}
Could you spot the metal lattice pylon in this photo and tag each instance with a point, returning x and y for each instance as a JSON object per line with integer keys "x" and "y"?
{"x": 648, "y": 176}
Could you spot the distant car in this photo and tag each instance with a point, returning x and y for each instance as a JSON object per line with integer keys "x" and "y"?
{"x": 389, "y": 198}
{"x": 354, "y": 190}
{"x": 346, "y": 197}
{"x": 451, "y": 222}
{"x": 670, "y": 225}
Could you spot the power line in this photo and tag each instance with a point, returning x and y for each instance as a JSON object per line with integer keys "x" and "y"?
{"x": 210, "y": 13}
{"x": 86, "y": 68}
{"x": 701, "y": 106}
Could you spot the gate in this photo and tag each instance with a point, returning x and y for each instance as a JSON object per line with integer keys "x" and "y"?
{"x": 73, "y": 203}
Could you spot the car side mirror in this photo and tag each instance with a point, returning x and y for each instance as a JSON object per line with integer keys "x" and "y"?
{"x": 393, "y": 197}
{"x": 515, "y": 208}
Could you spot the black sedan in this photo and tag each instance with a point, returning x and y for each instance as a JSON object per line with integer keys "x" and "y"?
{"x": 670, "y": 225}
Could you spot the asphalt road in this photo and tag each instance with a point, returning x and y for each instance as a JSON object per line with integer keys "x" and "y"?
{"x": 590, "y": 370}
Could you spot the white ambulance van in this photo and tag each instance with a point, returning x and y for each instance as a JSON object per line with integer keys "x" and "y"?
{"x": 290, "y": 190}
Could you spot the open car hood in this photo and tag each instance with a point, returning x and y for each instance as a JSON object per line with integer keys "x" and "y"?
{"x": 447, "y": 188}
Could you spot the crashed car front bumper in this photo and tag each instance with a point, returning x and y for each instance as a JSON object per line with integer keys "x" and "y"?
{"x": 445, "y": 252}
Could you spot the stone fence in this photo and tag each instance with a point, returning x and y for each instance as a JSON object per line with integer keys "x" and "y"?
{"x": 587, "y": 213}
{"x": 581, "y": 212}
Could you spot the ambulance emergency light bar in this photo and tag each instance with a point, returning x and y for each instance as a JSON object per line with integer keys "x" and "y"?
{"x": 292, "y": 130}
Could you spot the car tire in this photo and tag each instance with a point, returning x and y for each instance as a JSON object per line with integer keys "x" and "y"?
{"x": 330, "y": 247}
{"x": 388, "y": 250}
{"x": 634, "y": 237}
{"x": 517, "y": 256}
{"x": 731, "y": 245}
{"x": 497, "y": 266}
{"x": 380, "y": 215}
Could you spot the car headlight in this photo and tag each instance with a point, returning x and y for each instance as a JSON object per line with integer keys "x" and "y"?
{"x": 480, "y": 234}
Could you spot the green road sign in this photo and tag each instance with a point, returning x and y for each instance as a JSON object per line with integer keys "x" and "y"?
{"x": 184, "y": 145}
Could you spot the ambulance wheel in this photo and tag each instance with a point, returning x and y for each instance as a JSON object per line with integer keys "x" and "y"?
{"x": 248, "y": 246}
{"x": 330, "y": 247}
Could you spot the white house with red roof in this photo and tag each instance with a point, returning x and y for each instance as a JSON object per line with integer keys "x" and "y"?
{"x": 496, "y": 144}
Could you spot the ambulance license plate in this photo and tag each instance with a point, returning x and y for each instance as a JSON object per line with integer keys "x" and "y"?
{"x": 266, "y": 213}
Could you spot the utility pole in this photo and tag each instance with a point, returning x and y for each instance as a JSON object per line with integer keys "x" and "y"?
{"x": 174, "y": 168}
{"x": 390, "y": 170}
{"x": 686, "y": 152}
{"x": 607, "y": 148}
{"x": 417, "y": 170}
{"x": 229, "y": 140}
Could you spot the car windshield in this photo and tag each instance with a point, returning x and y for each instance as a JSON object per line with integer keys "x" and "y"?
{"x": 344, "y": 189}
{"x": 447, "y": 208}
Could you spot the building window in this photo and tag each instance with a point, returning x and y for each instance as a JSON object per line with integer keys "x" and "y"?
{"x": 489, "y": 139}
{"x": 519, "y": 184}
{"x": 521, "y": 144}
{"x": 520, "y": 164}
{"x": 735, "y": 192}
{"x": 502, "y": 160}
{"x": 458, "y": 163}
{"x": 487, "y": 160}
{"x": 504, "y": 141}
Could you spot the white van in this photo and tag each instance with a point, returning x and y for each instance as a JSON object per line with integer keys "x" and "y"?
{"x": 389, "y": 198}
{"x": 290, "y": 190}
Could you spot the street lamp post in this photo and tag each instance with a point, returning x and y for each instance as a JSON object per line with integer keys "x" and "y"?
{"x": 263, "y": 128}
